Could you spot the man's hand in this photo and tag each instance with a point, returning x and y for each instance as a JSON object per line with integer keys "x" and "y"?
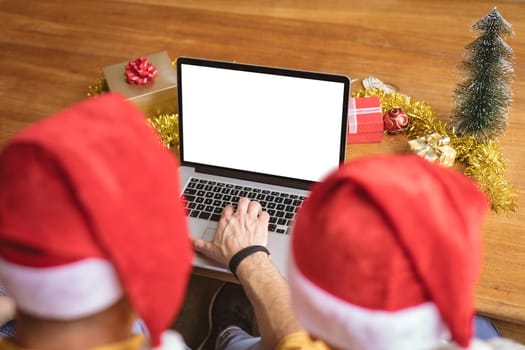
{"x": 246, "y": 226}
{"x": 265, "y": 287}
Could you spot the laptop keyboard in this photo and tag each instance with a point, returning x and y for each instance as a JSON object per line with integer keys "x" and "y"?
{"x": 205, "y": 199}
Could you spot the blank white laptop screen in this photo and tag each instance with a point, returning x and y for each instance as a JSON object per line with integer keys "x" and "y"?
{"x": 259, "y": 122}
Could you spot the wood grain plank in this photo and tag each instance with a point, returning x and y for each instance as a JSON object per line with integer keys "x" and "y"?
{"x": 52, "y": 50}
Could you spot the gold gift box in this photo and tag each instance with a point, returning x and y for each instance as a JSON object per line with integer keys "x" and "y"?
{"x": 158, "y": 96}
{"x": 434, "y": 147}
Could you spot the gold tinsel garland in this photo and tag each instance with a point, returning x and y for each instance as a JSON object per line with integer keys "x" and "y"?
{"x": 482, "y": 161}
{"x": 166, "y": 125}
{"x": 99, "y": 87}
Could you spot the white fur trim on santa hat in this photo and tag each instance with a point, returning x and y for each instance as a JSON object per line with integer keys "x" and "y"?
{"x": 347, "y": 326}
{"x": 70, "y": 291}
{"x": 171, "y": 340}
{"x": 492, "y": 344}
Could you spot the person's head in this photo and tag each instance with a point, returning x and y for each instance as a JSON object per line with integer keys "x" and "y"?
{"x": 386, "y": 253}
{"x": 90, "y": 217}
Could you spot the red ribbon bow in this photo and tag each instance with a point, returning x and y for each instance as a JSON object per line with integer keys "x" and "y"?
{"x": 139, "y": 71}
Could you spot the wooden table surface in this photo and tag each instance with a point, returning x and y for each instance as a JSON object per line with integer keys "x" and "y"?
{"x": 52, "y": 50}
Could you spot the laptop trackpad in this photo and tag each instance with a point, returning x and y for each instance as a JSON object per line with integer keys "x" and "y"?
{"x": 209, "y": 233}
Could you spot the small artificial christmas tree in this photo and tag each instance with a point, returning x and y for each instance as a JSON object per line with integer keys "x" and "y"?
{"x": 482, "y": 100}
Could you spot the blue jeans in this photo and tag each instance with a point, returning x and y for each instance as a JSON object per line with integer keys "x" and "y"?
{"x": 484, "y": 328}
{"x": 234, "y": 338}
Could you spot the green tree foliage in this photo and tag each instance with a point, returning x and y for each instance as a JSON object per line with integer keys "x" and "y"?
{"x": 482, "y": 100}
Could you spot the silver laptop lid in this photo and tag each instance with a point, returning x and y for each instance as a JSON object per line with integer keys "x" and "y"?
{"x": 265, "y": 124}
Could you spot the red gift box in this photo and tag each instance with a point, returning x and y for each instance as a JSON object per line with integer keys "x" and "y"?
{"x": 365, "y": 120}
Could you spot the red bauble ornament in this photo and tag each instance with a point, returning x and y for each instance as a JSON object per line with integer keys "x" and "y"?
{"x": 395, "y": 120}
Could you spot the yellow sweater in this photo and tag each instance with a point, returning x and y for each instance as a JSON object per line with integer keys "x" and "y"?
{"x": 137, "y": 342}
{"x": 299, "y": 341}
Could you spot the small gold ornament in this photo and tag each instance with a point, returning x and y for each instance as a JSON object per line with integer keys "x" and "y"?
{"x": 434, "y": 147}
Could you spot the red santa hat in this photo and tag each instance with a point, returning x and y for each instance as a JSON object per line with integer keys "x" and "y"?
{"x": 386, "y": 253}
{"x": 89, "y": 212}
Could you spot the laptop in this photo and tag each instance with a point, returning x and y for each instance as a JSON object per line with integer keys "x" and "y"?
{"x": 260, "y": 132}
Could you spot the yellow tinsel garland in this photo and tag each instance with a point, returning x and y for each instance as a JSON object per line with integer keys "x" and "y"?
{"x": 167, "y": 126}
{"x": 482, "y": 161}
{"x": 99, "y": 87}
